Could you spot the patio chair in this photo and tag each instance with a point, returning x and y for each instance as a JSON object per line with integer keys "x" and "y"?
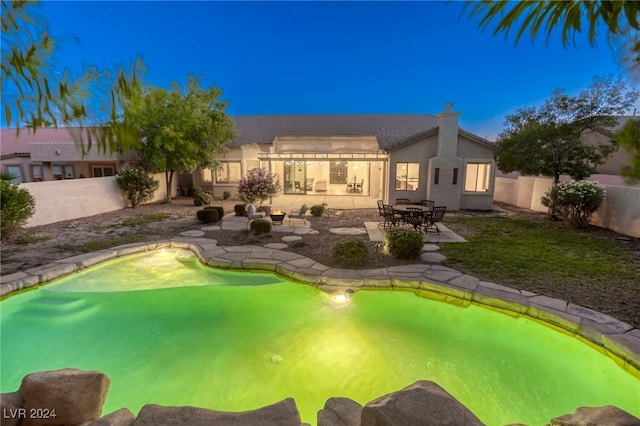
{"x": 414, "y": 217}
{"x": 391, "y": 218}
{"x": 380, "y": 208}
{"x": 432, "y": 219}
{"x": 403, "y": 201}
{"x": 298, "y": 214}
{"x": 430, "y": 204}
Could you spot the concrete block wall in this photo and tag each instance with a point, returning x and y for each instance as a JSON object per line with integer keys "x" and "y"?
{"x": 620, "y": 211}
{"x": 60, "y": 200}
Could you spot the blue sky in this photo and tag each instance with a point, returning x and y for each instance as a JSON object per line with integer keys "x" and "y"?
{"x": 329, "y": 57}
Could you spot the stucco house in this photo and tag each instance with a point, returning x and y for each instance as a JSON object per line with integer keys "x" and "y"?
{"x": 379, "y": 156}
{"x": 52, "y": 154}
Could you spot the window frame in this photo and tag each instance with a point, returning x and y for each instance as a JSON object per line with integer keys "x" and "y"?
{"x": 63, "y": 168}
{"x": 488, "y": 177}
{"x": 223, "y": 170}
{"x": 35, "y": 178}
{"x": 406, "y": 182}
{"x": 20, "y": 175}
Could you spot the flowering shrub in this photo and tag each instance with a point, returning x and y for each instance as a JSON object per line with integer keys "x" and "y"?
{"x": 136, "y": 184}
{"x": 17, "y": 205}
{"x": 575, "y": 201}
{"x": 258, "y": 184}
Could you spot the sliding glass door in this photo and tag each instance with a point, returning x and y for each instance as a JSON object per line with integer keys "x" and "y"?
{"x": 295, "y": 177}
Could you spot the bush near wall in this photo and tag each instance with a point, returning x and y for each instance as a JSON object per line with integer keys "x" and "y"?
{"x": 16, "y": 206}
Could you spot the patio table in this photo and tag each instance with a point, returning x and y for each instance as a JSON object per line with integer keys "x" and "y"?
{"x": 402, "y": 208}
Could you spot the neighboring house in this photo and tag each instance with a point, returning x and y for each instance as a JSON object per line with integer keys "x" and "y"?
{"x": 620, "y": 158}
{"x": 52, "y": 154}
{"x": 381, "y": 156}
{"x": 384, "y": 157}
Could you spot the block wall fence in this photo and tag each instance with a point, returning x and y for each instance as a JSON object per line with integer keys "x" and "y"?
{"x": 60, "y": 200}
{"x": 620, "y": 211}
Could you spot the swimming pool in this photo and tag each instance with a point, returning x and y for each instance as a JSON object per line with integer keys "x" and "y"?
{"x": 170, "y": 331}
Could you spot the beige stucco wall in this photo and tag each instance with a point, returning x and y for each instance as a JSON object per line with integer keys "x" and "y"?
{"x": 620, "y": 211}
{"x": 75, "y": 198}
{"x": 418, "y": 152}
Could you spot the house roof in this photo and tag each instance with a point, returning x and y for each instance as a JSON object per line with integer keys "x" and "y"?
{"x": 14, "y": 143}
{"x": 389, "y": 129}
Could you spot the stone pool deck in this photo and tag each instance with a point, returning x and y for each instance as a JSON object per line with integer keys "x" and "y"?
{"x": 613, "y": 337}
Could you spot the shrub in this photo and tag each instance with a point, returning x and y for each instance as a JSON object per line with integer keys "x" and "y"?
{"x": 260, "y": 226}
{"x": 137, "y": 184}
{"x": 403, "y": 243}
{"x": 201, "y": 197}
{"x": 258, "y": 185}
{"x": 208, "y": 215}
{"x": 219, "y": 209}
{"x": 16, "y": 206}
{"x": 240, "y": 209}
{"x": 575, "y": 201}
{"x": 226, "y": 195}
{"x": 350, "y": 252}
{"x": 319, "y": 209}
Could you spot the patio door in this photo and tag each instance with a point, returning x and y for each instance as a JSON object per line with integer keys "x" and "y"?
{"x": 295, "y": 177}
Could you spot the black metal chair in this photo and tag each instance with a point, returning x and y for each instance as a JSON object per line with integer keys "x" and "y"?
{"x": 432, "y": 219}
{"x": 403, "y": 201}
{"x": 391, "y": 218}
{"x": 380, "y": 208}
{"x": 414, "y": 217}
{"x": 430, "y": 204}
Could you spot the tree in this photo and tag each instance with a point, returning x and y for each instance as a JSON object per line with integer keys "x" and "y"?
{"x": 617, "y": 17}
{"x": 628, "y": 137}
{"x": 35, "y": 91}
{"x": 179, "y": 130}
{"x": 549, "y": 140}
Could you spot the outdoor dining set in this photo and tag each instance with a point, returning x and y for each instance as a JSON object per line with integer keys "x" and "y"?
{"x": 423, "y": 216}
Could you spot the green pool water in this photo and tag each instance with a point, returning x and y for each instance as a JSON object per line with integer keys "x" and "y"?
{"x": 172, "y": 332}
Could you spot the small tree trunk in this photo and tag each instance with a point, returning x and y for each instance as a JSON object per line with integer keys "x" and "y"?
{"x": 168, "y": 177}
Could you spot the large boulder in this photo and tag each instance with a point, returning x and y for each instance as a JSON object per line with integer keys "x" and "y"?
{"x": 10, "y": 405}
{"x": 340, "y": 412}
{"x": 122, "y": 417}
{"x": 77, "y": 396}
{"x": 283, "y": 413}
{"x": 593, "y": 416}
{"x": 422, "y": 403}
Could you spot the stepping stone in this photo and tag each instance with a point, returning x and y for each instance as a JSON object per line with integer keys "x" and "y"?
{"x": 431, "y": 257}
{"x": 276, "y": 246}
{"x": 304, "y": 231}
{"x": 194, "y": 233}
{"x": 348, "y": 231}
{"x": 211, "y": 228}
{"x": 430, "y": 247}
{"x": 291, "y": 238}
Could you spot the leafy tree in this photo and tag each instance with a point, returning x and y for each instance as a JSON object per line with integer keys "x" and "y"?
{"x": 179, "y": 130}
{"x": 629, "y": 138}
{"x": 570, "y": 16}
{"x": 35, "y": 92}
{"x": 548, "y": 140}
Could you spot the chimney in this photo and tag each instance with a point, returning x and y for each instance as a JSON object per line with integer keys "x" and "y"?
{"x": 448, "y": 132}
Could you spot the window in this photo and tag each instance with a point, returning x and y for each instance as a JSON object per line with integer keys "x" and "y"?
{"x": 62, "y": 172}
{"x": 251, "y": 164}
{"x": 16, "y": 174}
{"x": 207, "y": 175}
{"x": 101, "y": 171}
{"x": 229, "y": 172}
{"x": 407, "y": 176}
{"x": 36, "y": 173}
{"x": 338, "y": 172}
{"x": 477, "y": 177}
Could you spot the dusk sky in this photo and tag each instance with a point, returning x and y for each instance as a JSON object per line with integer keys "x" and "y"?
{"x": 330, "y": 57}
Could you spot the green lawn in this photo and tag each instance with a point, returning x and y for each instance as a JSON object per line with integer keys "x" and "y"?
{"x": 591, "y": 268}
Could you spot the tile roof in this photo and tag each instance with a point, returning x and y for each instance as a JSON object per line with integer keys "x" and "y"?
{"x": 390, "y": 129}
{"x": 12, "y": 142}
